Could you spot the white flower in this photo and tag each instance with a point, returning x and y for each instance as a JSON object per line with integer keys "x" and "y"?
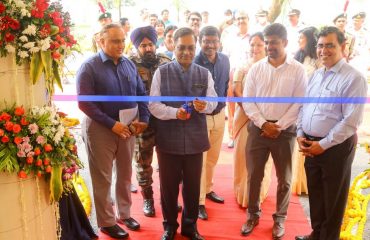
{"x": 29, "y": 45}
{"x": 44, "y": 44}
{"x": 30, "y": 30}
{"x": 23, "y": 38}
{"x": 34, "y": 50}
{"x": 10, "y": 48}
{"x": 19, "y": 3}
{"x": 59, "y": 134}
{"x": 23, "y": 54}
{"x": 25, "y": 12}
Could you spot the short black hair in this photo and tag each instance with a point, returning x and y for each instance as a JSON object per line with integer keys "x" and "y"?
{"x": 209, "y": 31}
{"x": 276, "y": 29}
{"x": 169, "y": 28}
{"x": 153, "y": 15}
{"x": 164, "y": 10}
{"x": 160, "y": 22}
{"x": 196, "y": 14}
{"x": 325, "y": 31}
{"x": 184, "y": 31}
{"x": 123, "y": 21}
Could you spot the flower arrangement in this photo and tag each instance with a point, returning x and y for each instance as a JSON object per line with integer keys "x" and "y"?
{"x": 36, "y": 142}
{"x": 37, "y": 32}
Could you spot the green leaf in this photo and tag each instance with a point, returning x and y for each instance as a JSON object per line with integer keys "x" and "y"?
{"x": 47, "y": 63}
{"x": 54, "y": 30}
{"x": 58, "y": 80}
{"x": 36, "y": 67}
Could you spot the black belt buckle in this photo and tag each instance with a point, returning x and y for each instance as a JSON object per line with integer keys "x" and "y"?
{"x": 312, "y": 138}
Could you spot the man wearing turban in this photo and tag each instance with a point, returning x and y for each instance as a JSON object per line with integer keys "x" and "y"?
{"x": 146, "y": 61}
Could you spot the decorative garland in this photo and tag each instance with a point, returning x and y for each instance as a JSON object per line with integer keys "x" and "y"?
{"x": 82, "y": 192}
{"x": 356, "y": 211}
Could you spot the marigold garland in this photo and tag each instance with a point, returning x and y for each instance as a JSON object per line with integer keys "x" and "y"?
{"x": 354, "y": 219}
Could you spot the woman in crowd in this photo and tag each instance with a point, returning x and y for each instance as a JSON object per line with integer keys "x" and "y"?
{"x": 159, "y": 28}
{"x": 240, "y": 132}
{"x": 307, "y": 56}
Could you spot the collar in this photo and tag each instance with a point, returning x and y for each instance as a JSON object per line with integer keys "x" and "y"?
{"x": 205, "y": 60}
{"x": 336, "y": 67}
{"x": 104, "y": 57}
{"x": 288, "y": 60}
{"x": 179, "y": 67}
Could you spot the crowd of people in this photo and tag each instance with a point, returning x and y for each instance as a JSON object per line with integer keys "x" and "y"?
{"x": 194, "y": 58}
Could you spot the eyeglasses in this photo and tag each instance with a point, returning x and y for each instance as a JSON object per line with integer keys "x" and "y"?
{"x": 195, "y": 19}
{"x": 208, "y": 42}
{"x": 183, "y": 48}
{"x": 241, "y": 18}
{"x": 328, "y": 46}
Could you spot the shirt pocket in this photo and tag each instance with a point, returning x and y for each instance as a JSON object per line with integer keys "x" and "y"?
{"x": 198, "y": 89}
{"x": 329, "y": 103}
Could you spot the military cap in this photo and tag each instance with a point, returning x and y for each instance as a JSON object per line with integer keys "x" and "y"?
{"x": 262, "y": 13}
{"x": 342, "y": 15}
{"x": 359, "y": 15}
{"x": 294, "y": 12}
{"x": 105, "y": 15}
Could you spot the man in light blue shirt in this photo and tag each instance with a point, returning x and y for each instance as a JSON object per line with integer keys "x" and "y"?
{"x": 327, "y": 134}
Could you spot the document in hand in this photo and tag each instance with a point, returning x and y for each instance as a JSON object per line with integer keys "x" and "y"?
{"x": 126, "y": 116}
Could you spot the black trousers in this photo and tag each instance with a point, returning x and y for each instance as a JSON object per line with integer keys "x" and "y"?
{"x": 328, "y": 180}
{"x": 172, "y": 169}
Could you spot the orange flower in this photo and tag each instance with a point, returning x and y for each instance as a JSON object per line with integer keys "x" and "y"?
{"x": 19, "y": 111}
{"x": 5, "y": 139}
{"x": 29, "y": 160}
{"x": 22, "y": 174}
{"x": 46, "y": 161}
{"x": 37, "y": 151}
{"x": 48, "y": 169}
{"x": 1, "y": 132}
{"x": 24, "y": 121}
{"x": 38, "y": 162}
{"x": 48, "y": 148}
{"x": 17, "y": 140}
{"x": 9, "y": 126}
{"x": 16, "y": 128}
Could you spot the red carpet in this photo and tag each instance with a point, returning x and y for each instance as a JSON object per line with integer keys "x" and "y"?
{"x": 225, "y": 220}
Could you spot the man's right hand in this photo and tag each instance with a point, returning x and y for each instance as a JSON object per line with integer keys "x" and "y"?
{"x": 121, "y": 130}
{"x": 270, "y": 130}
{"x": 181, "y": 114}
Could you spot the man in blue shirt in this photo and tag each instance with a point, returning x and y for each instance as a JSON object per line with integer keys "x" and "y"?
{"x": 106, "y": 137}
{"x": 327, "y": 134}
{"x": 219, "y": 66}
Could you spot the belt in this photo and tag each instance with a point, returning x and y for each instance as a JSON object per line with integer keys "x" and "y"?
{"x": 312, "y": 138}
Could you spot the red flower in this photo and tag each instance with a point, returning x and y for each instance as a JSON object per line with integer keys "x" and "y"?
{"x": 37, "y": 151}
{"x": 9, "y": 37}
{"x": 22, "y": 174}
{"x": 16, "y": 128}
{"x": 24, "y": 121}
{"x": 19, "y": 111}
{"x": 14, "y": 24}
{"x": 48, "y": 148}
{"x": 38, "y": 174}
{"x": 48, "y": 169}
{"x": 9, "y": 126}
{"x": 5, "y": 139}
{"x": 18, "y": 140}
{"x": 5, "y": 116}
{"x": 38, "y": 162}
{"x": 2, "y": 7}
{"x": 46, "y": 161}
{"x": 29, "y": 160}
{"x": 45, "y": 30}
{"x": 1, "y": 132}
{"x": 56, "y": 55}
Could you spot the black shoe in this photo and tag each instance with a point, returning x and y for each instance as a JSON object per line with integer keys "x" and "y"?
{"x": 307, "y": 237}
{"x": 133, "y": 188}
{"x": 193, "y": 235}
{"x": 248, "y": 227}
{"x": 115, "y": 232}
{"x": 179, "y": 207}
{"x": 202, "y": 213}
{"x": 130, "y": 223}
{"x": 168, "y": 235}
{"x": 278, "y": 230}
{"x": 214, "y": 197}
{"x": 148, "y": 208}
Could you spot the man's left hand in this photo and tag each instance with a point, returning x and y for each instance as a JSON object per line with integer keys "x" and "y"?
{"x": 199, "y": 105}
{"x": 313, "y": 148}
{"x": 138, "y": 127}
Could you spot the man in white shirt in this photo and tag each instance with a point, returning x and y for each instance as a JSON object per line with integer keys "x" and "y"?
{"x": 273, "y": 125}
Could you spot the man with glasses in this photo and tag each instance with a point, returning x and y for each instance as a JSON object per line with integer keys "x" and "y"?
{"x": 272, "y": 128}
{"x": 327, "y": 134}
{"x": 181, "y": 133}
{"x": 107, "y": 137}
{"x": 195, "y": 22}
{"x": 219, "y": 66}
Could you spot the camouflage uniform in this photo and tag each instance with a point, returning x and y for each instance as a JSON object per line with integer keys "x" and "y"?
{"x": 143, "y": 155}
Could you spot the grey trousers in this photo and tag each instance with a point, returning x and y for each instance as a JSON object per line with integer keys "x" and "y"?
{"x": 103, "y": 146}
{"x": 258, "y": 149}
